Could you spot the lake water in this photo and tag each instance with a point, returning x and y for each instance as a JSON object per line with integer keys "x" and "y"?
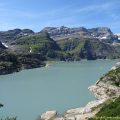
{"x": 61, "y": 86}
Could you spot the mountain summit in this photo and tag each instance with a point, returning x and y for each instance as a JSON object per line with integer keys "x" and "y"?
{"x": 101, "y": 33}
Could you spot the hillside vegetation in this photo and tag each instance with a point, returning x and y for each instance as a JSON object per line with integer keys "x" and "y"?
{"x": 110, "y": 111}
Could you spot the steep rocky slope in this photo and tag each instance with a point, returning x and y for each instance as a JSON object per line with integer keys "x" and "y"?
{"x": 11, "y": 62}
{"x": 83, "y": 43}
{"x": 88, "y": 48}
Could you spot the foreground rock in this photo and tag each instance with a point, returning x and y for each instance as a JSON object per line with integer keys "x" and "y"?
{"x": 49, "y": 115}
{"x": 104, "y": 89}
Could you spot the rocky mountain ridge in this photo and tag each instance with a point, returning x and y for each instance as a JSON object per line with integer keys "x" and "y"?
{"x": 58, "y": 33}
{"x": 101, "y": 33}
{"x": 11, "y": 35}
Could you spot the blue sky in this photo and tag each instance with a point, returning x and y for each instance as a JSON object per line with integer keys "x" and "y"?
{"x": 37, "y": 14}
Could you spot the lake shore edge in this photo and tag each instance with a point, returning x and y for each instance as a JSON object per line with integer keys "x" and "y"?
{"x": 102, "y": 92}
{"x": 10, "y": 70}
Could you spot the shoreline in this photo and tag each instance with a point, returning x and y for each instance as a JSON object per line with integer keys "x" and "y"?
{"x": 44, "y": 64}
{"x": 19, "y": 70}
{"x": 99, "y": 89}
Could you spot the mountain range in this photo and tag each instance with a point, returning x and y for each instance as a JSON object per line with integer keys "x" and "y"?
{"x": 102, "y": 33}
{"x": 59, "y": 43}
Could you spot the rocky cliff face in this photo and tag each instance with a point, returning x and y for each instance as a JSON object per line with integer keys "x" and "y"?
{"x": 101, "y": 33}
{"x": 64, "y": 31}
{"x": 11, "y": 62}
{"x": 88, "y": 48}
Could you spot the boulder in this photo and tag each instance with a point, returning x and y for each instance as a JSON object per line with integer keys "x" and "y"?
{"x": 49, "y": 115}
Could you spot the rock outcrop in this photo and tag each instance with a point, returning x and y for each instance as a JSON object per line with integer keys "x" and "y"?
{"x": 49, "y": 115}
{"x": 11, "y": 62}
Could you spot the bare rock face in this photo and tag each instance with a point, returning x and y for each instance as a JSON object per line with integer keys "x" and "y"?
{"x": 102, "y": 33}
{"x": 54, "y": 31}
{"x": 104, "y": 91}
{"x": 49, "y": 115}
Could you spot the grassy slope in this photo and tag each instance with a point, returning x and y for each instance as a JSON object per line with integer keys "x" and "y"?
{"x": 110, "y": 111}
{"x": 38, "y": 42}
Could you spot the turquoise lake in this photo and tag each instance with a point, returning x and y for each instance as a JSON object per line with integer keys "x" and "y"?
{"x": 60, "y": 86}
